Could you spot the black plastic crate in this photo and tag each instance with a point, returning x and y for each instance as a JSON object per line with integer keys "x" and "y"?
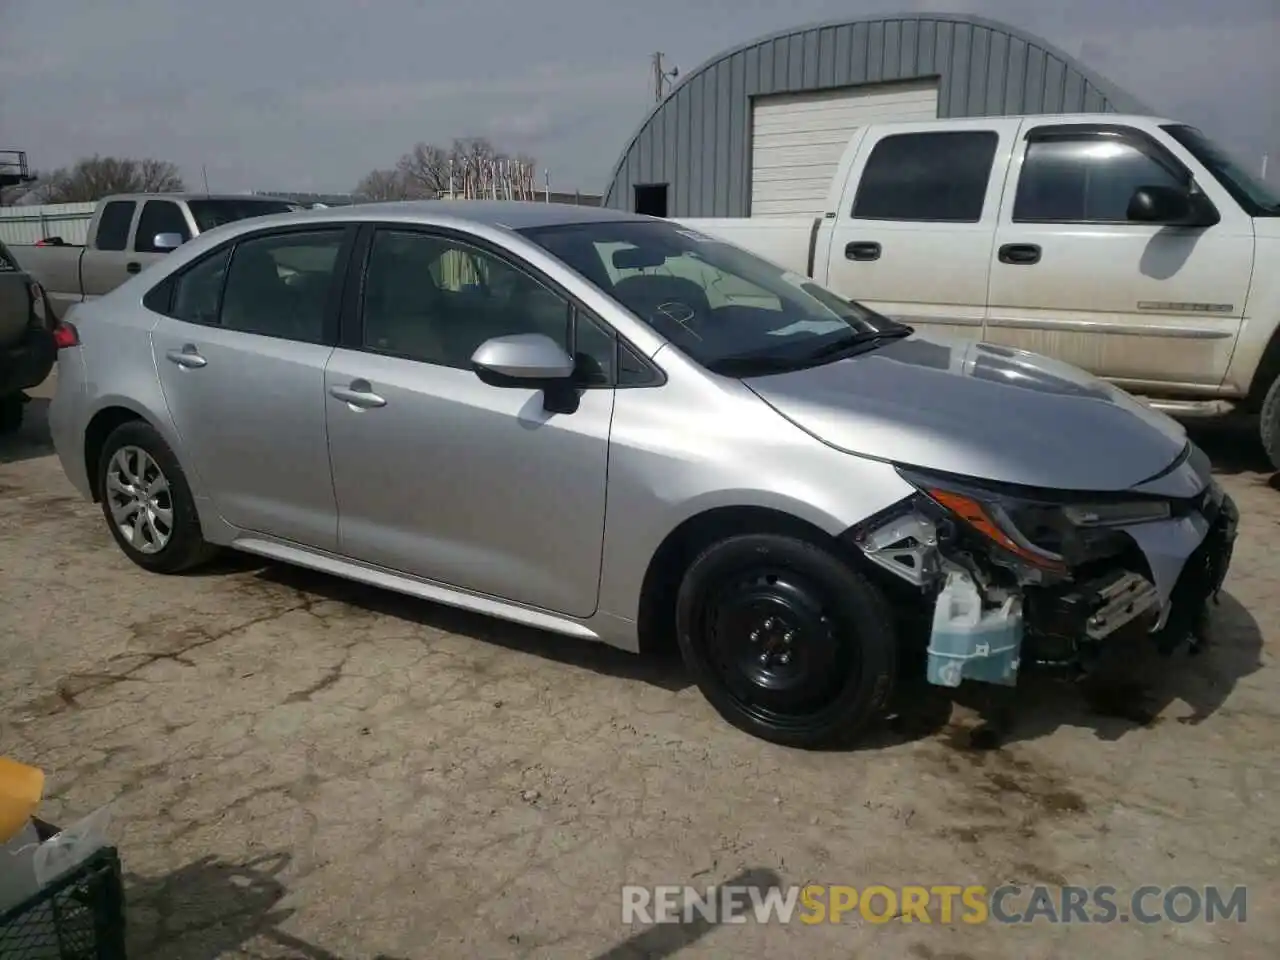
{"x": 79, "y": 916}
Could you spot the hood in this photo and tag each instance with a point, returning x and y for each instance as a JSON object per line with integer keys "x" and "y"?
{"x": 981, "y": 411}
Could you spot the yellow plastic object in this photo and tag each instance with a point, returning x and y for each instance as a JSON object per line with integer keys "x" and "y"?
{"x": 21, "y": 788}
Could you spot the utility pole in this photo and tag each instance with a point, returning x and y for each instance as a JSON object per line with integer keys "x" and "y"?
{"x": 662, "y": 77}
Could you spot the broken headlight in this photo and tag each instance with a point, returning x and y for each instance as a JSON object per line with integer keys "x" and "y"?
{"x": 1037, "y": 527}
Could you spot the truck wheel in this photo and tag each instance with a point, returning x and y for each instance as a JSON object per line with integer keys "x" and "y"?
{"x": 147, "y": 503}
{"x": 1269, "y": 424}
{"x": 785, "y": 640}
{"x": 12, "y": 408}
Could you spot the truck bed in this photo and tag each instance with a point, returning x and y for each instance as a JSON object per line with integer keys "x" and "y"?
{"x": 786, "y": 241}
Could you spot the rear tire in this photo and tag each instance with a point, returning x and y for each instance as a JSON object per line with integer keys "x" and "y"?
{"x": 786, "y": 640}
{"x": 147, "y": 503}
{"x": 12, "y": 407}
{"x": 1269, "y": 424}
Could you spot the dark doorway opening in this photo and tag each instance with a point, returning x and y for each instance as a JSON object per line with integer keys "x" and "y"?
{"x": 651, "y": 199}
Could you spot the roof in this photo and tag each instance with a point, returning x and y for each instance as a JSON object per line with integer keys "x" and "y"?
{"x": 509, "y": 214}
{"x": 194, "y": 195}
{"x": 1121, "y": 99}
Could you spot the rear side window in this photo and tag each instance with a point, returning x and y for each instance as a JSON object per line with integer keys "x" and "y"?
{"x": 279, "y": 285}
{"x": 940, "y": 177}
{"x": 197, "y": 291}
{"x": 113, "y": 225}
{"x": 159, "y": 216}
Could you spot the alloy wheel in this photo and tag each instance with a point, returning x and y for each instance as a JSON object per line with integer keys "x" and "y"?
{"x": 138, "y": 496}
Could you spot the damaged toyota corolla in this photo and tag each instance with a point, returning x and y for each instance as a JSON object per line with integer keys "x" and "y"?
{"x": 616, "y": 428}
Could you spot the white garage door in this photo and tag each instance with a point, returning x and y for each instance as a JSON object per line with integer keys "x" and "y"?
{"x": 797, "y": 139}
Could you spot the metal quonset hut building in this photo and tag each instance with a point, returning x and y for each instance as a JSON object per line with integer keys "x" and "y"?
{"x": 759, "y": 130}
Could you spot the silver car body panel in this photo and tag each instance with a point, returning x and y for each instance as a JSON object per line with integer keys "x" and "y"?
{"x": 472, "y": 495}
{"x": 979, "y": 410}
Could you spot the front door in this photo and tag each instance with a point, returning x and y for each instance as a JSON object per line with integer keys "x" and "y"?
{"x": 912, "y": 236}
{"x": 243, "y": 377}
{"x": 1073, "y": 278}
{"x": 441, "y": 476}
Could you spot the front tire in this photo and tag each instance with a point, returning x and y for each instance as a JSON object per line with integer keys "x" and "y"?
{"x": 147, "y": 502}
{"x": 786, "y": 640}
{"x": 1269, "y": 424}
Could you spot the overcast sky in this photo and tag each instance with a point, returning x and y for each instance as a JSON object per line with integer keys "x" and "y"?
{"x": 312, "y": 94}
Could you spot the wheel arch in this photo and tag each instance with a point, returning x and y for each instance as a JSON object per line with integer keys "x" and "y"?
{"x": 100, "y": 426}
{"x": 680, "y": 547}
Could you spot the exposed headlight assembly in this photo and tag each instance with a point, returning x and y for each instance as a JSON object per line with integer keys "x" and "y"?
{"x": 1050, "y": 535}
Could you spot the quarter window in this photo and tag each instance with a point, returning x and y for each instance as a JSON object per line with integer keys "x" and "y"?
{"x": 113, "y": 225}
{"x": 159, "y": 216}
{"x": 1085, "y": 180}
{"x": 436, "y": 300}
{"x": 937, "y": 177}
{"x": 279, "y": 285}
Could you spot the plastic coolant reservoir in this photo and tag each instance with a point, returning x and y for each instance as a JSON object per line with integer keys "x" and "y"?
{"x": 969, "y": 643}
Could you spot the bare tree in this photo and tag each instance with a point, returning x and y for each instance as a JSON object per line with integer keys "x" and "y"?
{"x": 93, "y": 178}
{"x": 383, "y": 185}
{"x": 428, "y": 170}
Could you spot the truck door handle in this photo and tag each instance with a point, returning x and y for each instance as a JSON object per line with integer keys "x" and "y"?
{"x": 133, "y": 266}
{"x": 188, "y": 357}
{"x": 1023, "y": 253}
{"x": 358, "y": 394}
{"x": 862, "y": 251}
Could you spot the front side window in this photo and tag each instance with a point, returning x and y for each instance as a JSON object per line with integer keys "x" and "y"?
{"x": 159, "y": 216}
{"x": 1085, "y": 180}
{"x": 728, "y": 309}
{"x": 435, "y": 299}
{"x": 934, "y": 177}
{"x": 279, "y": 285}
{"x": 113, "y": 225}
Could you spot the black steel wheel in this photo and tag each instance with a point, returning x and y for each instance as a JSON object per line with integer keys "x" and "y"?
{"x": 786, "y": 640}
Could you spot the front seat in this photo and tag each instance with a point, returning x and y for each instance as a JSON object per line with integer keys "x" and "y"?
{"x": 666, "y": 302}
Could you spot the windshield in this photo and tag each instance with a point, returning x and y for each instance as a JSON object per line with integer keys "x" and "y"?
{"x": 214, "y": 213}
{"x": 1256, "y": 197}
{"x": 726, "y": 308}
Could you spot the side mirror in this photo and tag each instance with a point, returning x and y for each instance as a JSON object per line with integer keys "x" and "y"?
{"x": 1173, "y": 206}
{"x": 529, "y": 360}
{"x": 164, "y": 242}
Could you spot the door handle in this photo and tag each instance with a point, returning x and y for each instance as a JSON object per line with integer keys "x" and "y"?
{"x": 133, "y": 266}
{"x": 358, "y": 394}
{"x": 188, "y": 357}
{"x": 862, "y": 251}
{"x": 1020, "y": 253}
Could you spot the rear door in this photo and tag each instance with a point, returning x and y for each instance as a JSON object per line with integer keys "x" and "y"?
{"x": 241, "y": 354}
{"x": 912, "y": 236}
{"x": 1072, "y": 277}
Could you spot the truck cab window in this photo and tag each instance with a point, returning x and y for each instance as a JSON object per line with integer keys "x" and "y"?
{"x": 113, "y": 225}
{"x": 933, "y": 177}
{"x": 159, "y": 216}
{"x": 1084, "y": 180}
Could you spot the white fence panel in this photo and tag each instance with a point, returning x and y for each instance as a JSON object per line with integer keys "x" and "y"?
{"x": 27, "y": 225}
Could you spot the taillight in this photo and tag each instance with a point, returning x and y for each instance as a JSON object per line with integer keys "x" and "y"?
{"x": 65, "y": 335}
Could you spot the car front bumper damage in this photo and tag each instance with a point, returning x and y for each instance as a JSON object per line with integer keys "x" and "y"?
{"x": 1159, "y": 589}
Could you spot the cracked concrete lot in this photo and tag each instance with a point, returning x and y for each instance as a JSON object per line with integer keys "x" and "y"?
{"x": 306, "y": 768}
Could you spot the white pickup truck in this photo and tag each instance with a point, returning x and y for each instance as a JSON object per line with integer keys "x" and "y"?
{"x": 1129, "y": 246}
{"x": 129, "y": 232}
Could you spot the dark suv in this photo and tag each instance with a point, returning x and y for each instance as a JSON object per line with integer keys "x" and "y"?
{"x": 27, "y": 347}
